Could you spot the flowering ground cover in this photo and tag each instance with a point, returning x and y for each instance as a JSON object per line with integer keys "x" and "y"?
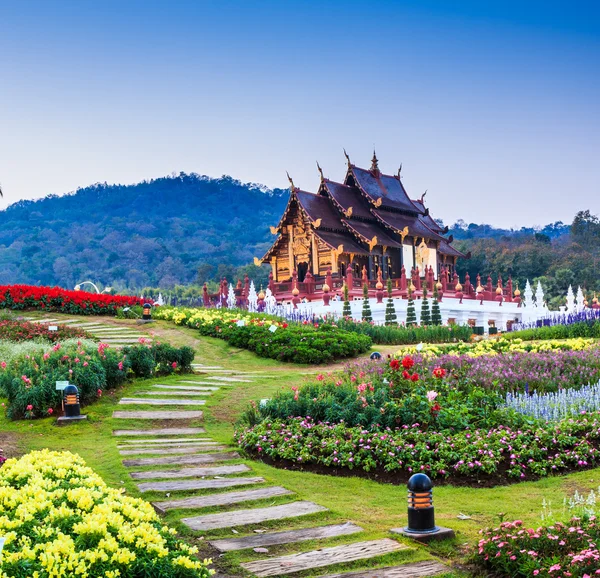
{"x": 584, "y": 323}
{"x": 557, "y": 551}
{"x": 21, "y": 297}
{"x": 15, "y": 330}
{"x": 29, "y": 380}
{"x": 59, "y": 518}
{"x": 448, "y": 416}
{"x": 269, "y": 336}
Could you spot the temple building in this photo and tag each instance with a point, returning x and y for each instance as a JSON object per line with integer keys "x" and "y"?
{"x": 367, "y": 227}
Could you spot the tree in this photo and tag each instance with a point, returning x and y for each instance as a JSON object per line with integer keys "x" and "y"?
{"x": 425, "y": 312}
{"x": 346, "y": 311}
{"x": 204, "y": 273}
{"x": 585, "y": 228}
{"x": 390, "y": 310}
{"x": 366, "y": 309}
{"x": 411, "y": 316}
{"x": 436, "y": 314}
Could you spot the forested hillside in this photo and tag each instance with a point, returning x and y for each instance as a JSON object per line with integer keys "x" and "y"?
{"x": 156, "y": 232}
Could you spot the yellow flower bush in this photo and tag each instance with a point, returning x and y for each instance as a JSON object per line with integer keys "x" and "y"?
{"x": 60, "y": 519}
{"x": 499, "y": 346}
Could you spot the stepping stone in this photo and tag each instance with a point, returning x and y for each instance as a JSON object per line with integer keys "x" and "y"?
{"x": 170, "y": 451}
{"x": 254, "y": 516}
{"x": 276, "y": 538}
{"x": 151, "y": 401}
{"x": 202, "y": 367}
{"x": 323, "y": 557}
{"x": 191, "y": 472}
{"x": 225, "y": 499}
{"x": 157, "y": 414}
{"x": 206, "y": 387}
{"x": 228, "y": 379}
{"x": 166, "y": 446}
{"x": 183, "y": 460}
{"x": 162, "y": 441}
{"x": 210, "y": 484}
{"x": 415, "y": 570}
{"x": 175, "y": 392}
{"x": 169, "y": 431}
{"x": 116, "y": 329}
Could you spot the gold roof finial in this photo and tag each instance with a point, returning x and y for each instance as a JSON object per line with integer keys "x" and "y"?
{"x": 347, "y": 158}
{"x": 320, "y": 171}
{"x": 400, "y": 172}
{"x": 374, "y": 163}
{"x": 292, "y": 187}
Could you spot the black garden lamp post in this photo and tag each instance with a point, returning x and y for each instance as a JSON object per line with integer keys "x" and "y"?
{"x": 147, "y": 313}
{"x": 71, "y": 401}
{"x": 375, "y": 355}
{"x": 421, "y": 515}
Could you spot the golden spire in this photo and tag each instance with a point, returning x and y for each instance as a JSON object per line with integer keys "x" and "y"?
{"x": 320, "y": 171}
{"x": 374, "y": 163}
{"x": 347, "y": 158}
{"x": 292, "y": 187}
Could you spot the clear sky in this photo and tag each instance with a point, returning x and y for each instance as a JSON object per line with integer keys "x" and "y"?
{"x": 493, "y": 106}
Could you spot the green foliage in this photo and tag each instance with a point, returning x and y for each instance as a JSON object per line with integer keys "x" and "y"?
{"x": 583, "y": 329}
{"x": 425, "y": 312}
{"x": 392, "y": 335}
{"x": 366, "y": 308}
{"x": 436, "y": 314}
{"x": 390, "y": 311}
{"x": 346, "y": 311}
{"x": 411, "y": 316}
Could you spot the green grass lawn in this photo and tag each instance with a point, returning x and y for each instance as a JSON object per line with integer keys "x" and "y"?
{"x": 375, "y": 506}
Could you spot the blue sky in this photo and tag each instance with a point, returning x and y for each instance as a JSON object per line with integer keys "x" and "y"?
{"x": 491, "y": 106}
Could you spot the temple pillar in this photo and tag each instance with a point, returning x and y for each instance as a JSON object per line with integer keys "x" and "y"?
{"x": 291, "y": 247}
{"x": 370, "y": 266}
{"x": 334, "y": 261}
{"x": 315, "y": 255}
{"x": 274, "y": 268}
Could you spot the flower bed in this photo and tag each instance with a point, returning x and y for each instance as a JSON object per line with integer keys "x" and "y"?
{"x": 29, "y": 380}
{"x": 400, "y": 335}
{"x": 59, "y": 518}
{"x": 500, "y": 346}
{"x": 14, "y": 330}
{"x": 555, "y": 551}
{"x": 271, "y": 337}
{"x": 22, "y": 297}
{"x": 495, "y": 455}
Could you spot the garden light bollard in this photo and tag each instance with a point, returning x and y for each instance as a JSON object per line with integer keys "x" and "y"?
{"x": 421, "y": 514}
{"x": 71, "y": 401}
{"x": 147, "y": 314}
{"x": 375, "y": 355}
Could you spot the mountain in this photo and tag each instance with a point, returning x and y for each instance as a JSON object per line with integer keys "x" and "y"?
{"x": 157, "y": 232}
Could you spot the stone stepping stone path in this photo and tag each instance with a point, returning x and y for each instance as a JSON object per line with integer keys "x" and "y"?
{"x": 170, "y": 451}
{"x": 183, "y": 460}
{"x": 191, "y": 472}
{"x": 211, "y": 484}
{"x": 415, "y": 570}
{"x": 254, "y": 516}
{"x": 154, "y": 401}
{"x": 157, "y": 414}
{"x": 169, "y": 431}
{"x": 277, "y": 538}
{"x": 323, "y": 557}
{"x": 225, "y": 499}
{"x": 202, "y": 469}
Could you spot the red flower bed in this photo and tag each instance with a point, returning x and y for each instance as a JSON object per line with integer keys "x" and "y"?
{"x": 63, "y": 301}
{"x": 23, "y": 331}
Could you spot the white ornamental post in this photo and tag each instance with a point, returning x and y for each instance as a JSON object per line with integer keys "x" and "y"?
{"x": 528, "y": 295}
{"x": 570, "y": 300}
{"x": 580, "y": 299}
{"x": 539, "y": 296}
{"x": 252, "y": 298}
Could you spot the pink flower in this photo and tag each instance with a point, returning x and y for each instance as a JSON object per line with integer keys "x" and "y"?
{"x": 99, "y": 393}
{"x": 85, "y": 364}
{"x": 120, "y": 365}
{"x": 431, "y": 395}
{"x": 320, "y": 377}
{"x": 46, "y": 356}
{"x": 29, "y": 407}
{"x": 3, "y": 365}
{"x": 50, "y": 411}
{"x": 174, "y": 365}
